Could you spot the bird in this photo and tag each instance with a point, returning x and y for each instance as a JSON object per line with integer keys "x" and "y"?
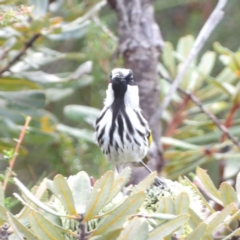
{"x": 121, "y": 130}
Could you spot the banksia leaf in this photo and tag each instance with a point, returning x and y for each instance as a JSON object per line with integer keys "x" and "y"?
{"x": 168, "y": 227}
{"x": 136, "y": 227}
{"x": 227, "y": 193}
{"x": 43, "y": 228}
{"x": 64, "y": 194}
{"x": 198, "y": 232}
{"x": 81, "y": 187}
{"x": 121, "y": 213}
{"x": 99, "y": 195}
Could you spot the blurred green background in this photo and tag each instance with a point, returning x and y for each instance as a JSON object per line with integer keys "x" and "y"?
{"x": 61, "y": 81}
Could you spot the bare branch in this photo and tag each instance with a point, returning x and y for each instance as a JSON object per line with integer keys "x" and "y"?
{"x": 27, "y": 45}
{"x": 205, "y": 32}
{"x": 209, "y": 114}
{"x": 104, "y": 28}
{"x": 96, "y": 8}
{"x": 16, "y": 150}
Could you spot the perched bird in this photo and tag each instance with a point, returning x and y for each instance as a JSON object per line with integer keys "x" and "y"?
{"x": 122, "y": 131}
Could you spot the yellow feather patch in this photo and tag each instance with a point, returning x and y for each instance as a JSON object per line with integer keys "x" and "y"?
{"x": 150, "y": 138}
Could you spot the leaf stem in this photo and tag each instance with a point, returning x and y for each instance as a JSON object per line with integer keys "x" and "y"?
{"x": 178, "y": 118}
{"x": 16, "y": 150}
{"x": 228, "y": 123}
{"x": 209, "y": 114}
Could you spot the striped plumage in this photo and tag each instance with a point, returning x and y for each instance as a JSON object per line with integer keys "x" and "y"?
{"x": 122, "y": 132}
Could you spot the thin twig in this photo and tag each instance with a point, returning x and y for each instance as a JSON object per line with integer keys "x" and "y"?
{"x": 27, "y": 45}
{"x": 178, "y": 118}
{"x": 96, "y": 8}
{"x": 104, "y": 29}
{"x": 13, "y": 160}
{"x": 209, "y": 114}
{"x": 229, "y": 119}
{"x": 205, "y": 32}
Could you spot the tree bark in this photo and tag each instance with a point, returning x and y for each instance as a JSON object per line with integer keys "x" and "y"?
{"x": 140, "y": 43}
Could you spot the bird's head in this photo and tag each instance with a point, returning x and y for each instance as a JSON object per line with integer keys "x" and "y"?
{"x": 121, "y": 79}
{"x": 122, "y": 87}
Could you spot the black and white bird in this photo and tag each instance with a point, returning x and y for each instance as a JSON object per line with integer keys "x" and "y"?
{"x": 122, "y": 131}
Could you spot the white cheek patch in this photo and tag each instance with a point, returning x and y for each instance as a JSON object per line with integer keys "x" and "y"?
{"x": 109, "y": 96}
{"x": 131, "y": 97}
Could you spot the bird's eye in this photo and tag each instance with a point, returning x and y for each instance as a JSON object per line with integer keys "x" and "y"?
{"x": 130, "y": 80}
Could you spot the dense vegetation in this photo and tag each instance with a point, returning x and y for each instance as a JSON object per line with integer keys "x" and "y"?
{"x": 55, "y": 61}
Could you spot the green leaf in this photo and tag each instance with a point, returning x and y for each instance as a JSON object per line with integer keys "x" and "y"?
{"x": 145, "y": 183}
{"x": 84, "y": 68}
{"x": 120, "y": 182}
{"x": 55, "y": 95}
{"x": 182, "y": 202}
{"x": 203, "y": 70}
{"x": 227, "y": 194}
{"x": 232, "y": 234}
{"x": 198, "y": 232}
{"x": 169, "y": 59}
{"x": 3, "y": 213}
{"x": 238, "y": 186}
{"x": 118, "y": 185}
{"x": 37, "y": 136}
{"x": 168, "y": 227}
{"x": 226, "y": 74}
{"x": 166, "y": 205}
{"x": 208, "y": 237}
{"x": 210, "y": 137}
{"x": 178, "y": 143}
{"x": 70, "y": 31}
{"x": 99, "y": 195}
{"x": 207, "y": 183}
{"x": 120, "y": 214}
{"x": 194, "y": 219}
{"x": 35, "y": 200}
{"x": 79, "y": 113}
{"x": 113, "y": 235}
{"x": 207, "y": 63}
{"x": 38, "y": 192}
{"x": 125, "y": 174}
{"x": 225, "y": 87}
{"x": 19, "y": 229}
{"x": 195, "y": 189}
{"x": 81, "y": 187}
{"x": 220, "y": 49}
{"x": 39, "y": 8}
{"x": 234, "y": 62}
{"x": 42, "y": 77}
{"x": 30, "y": 98}
{"x": 219, "y": 218}
{"x": 84, "y": 134}
{"x": 16, "y": 84}
{"x": 135, "y": 227}
{"x": 1, "y": 195}
{"x": 8, "y": 128}
{"x": 236, "y": 96}
{"x": 185, "y": 45}
{"x": 43, "y": 228}
{"x": 162, "y": 216}
{"x": 64, "y": 194}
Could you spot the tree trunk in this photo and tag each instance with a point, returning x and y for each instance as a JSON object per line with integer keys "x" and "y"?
{"x": 140, "y": 42}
